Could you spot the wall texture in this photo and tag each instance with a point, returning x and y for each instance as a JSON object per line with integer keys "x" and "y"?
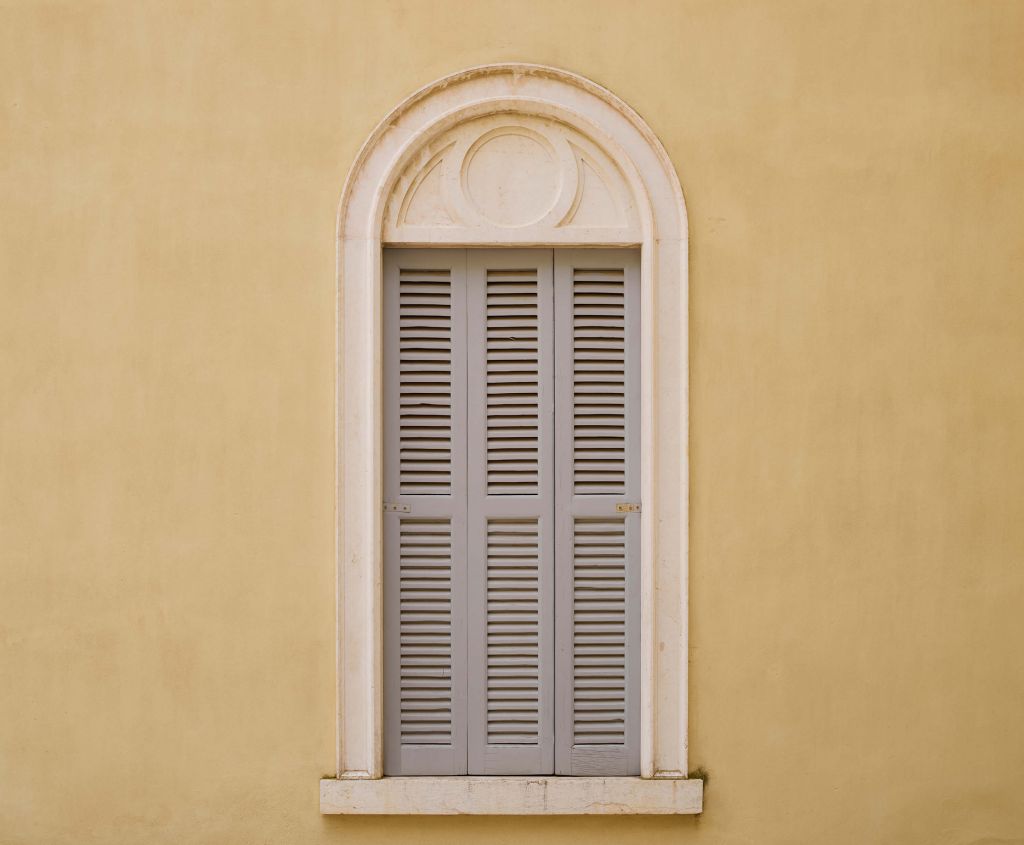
{"x": 855, "y": 180}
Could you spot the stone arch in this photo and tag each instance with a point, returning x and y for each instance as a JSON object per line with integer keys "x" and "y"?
{"x": 427, "y": 157}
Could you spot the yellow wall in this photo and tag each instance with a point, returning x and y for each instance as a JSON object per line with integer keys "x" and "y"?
{"x": 855, "y": 179}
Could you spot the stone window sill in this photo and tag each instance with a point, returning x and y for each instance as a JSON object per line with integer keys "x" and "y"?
{"x": 510, "y": 796}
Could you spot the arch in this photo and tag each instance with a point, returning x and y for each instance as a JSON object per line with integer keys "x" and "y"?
{"x": 549, "y": 108}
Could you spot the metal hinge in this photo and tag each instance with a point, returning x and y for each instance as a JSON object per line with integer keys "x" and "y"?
{"x": 390, "y": 507}
{"x": 626, "y": 507}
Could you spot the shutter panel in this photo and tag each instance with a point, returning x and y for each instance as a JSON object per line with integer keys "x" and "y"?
{"x": 597, "y": 354}
{"x": 425, "y": 545}
{"x": 511, "y": 512}
{"x": 478, "y": 346}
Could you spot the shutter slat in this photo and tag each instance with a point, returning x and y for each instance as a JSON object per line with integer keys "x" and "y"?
{"x": 512, "y": 356}
{"x": 598, "y": 379}
{"x": 425, "y": 655}
{"x": 602, "y": 617}
{"x": 424, "y": 319}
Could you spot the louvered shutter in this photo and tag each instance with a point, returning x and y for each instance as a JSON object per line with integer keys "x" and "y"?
{"x": 425, "y": 537}
{"x": 511, "y": 512}
{"x": 597, "y": 332}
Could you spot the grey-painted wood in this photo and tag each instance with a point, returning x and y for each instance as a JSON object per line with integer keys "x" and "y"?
{"x": 511, "y": 438}
{"x": 511, "y": 512}
{"x": 424, "y": 369}
{"x": 597, "y": 378}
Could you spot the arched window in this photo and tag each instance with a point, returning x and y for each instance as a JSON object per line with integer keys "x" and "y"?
{"x": 527, "y": 158}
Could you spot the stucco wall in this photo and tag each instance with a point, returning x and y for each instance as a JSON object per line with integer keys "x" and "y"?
{"x": 170, "y": 173}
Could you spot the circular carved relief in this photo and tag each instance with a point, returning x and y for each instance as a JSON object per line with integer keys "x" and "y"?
{"x": 512, "y": 176}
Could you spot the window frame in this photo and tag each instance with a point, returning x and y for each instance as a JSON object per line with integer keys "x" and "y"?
{"x": 527, "y": 91}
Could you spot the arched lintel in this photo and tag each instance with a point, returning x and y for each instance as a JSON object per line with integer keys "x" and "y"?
{"x": 625, "y": 138}
{"x": 431, "y": 137}
{"x": 408, "y": 128}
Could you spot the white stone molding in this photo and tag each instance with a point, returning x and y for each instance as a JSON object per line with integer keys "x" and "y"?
{"x": 511, "y": 796}
{"x": 513, "y": 155}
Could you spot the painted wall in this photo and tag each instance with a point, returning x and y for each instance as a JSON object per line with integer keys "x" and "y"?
{"x": 855, "y": 180}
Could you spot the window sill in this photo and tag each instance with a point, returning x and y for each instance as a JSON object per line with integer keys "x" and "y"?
{"x": 510, "y": 796}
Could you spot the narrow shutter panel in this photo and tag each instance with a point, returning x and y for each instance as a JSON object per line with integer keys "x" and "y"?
{"x": 424, "y": 540}
{"x": 597, "y": 330}
{"x": 511, "y": 512}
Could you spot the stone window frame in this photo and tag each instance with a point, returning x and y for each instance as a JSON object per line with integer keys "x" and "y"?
{"x": 658, "y": 226}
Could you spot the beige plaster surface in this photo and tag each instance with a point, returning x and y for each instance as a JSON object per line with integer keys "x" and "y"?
{"x": 854, "y": 177}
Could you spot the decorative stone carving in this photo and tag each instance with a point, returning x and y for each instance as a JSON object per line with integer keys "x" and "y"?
{"x": 511, "y": 178}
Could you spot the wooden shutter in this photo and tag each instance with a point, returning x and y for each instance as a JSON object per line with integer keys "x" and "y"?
{"x": 511, "y": 512}
{"x": 511, "y": 572}
{"x": 425, "y": 514}
{"x": 597, "y": 353}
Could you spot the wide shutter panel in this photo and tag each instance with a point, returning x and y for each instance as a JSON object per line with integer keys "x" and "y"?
{"x": 511, "y": 512}
{"x": 425, "y": 537}
{"x": 597, "y": 322}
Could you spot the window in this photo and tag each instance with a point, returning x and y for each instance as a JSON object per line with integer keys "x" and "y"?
{"x": 511, "y": 529}
{"x": 513, "y": 156}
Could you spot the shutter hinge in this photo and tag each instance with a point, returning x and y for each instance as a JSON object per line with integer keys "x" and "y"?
{"x": 626, "y": 507}
{"x": 391, "y": 507}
